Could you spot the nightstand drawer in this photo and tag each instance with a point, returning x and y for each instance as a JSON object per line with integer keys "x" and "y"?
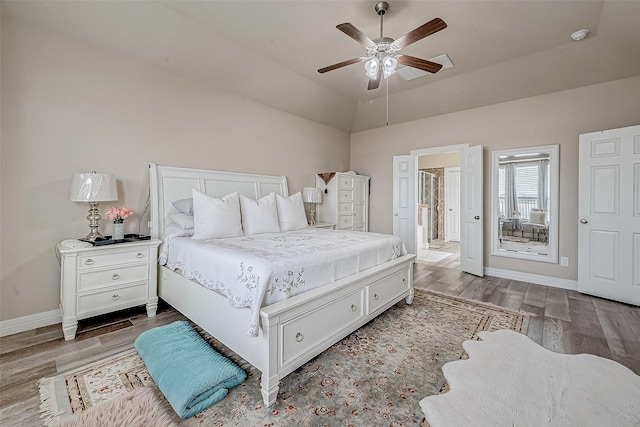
{"x": 115, "y": 276}
{"x": 102, "y": 260}
{"x": 113, "y": 298}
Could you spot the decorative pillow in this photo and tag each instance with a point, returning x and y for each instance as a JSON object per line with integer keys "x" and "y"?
{"x": 291, "y": 212}
{"x": 259, "y": 216}
{"x": 184, "y": 206}
{"x": 215, "y": 218}
{"x": 182, "y": 220}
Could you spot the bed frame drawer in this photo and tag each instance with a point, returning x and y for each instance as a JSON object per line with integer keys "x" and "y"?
{"x": 385, "y": 290}
{"x": 308, "y": 330}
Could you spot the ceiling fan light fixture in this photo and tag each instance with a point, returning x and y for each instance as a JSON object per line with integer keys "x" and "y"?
{"x": 371, "y": 68}
{"x": 389, "y": 64}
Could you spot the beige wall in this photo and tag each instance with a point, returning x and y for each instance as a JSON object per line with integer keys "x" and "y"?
{"x": 71, "y": 108}
{"x": 557, "y": 118}
{"x": 440, "y": 160}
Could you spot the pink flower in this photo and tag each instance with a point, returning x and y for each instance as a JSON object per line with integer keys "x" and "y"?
{"x": 116, "y": 214}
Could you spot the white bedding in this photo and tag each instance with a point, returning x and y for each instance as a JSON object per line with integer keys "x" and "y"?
{"x": 261, "y": 269}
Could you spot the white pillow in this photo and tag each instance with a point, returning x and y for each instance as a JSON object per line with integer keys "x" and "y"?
{"x": 214, "y": 218}
{"x": 291, "y": 212}
{"x": 182, "y": 220}
{"x": 259, "y": 216}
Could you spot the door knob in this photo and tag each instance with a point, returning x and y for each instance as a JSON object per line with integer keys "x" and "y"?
{"x": 584, "y": 221}
{"x": 476, "y": 217}
{"x": 395, "y": 214}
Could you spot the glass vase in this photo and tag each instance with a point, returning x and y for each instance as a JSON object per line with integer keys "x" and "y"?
{"x": 118, "y": 231}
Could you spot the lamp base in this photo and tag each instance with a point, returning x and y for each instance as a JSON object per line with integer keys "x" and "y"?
{"x": 312, "y": 214}
{"x": 94, "y": 222}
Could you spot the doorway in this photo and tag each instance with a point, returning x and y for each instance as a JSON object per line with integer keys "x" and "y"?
{"x": 405, "y": 202}
{"x": 438, "y": 210}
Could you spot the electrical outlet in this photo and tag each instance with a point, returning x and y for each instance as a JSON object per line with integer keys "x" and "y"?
{"x": 564, "y": 261}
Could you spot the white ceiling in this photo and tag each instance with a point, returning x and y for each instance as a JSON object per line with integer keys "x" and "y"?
{"x": 269, "y": 51}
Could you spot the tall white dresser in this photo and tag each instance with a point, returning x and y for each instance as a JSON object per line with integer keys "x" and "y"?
{"x": 345, "y": 202}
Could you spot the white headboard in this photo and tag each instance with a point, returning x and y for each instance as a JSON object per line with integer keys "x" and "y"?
{"x": 169, "y": 184}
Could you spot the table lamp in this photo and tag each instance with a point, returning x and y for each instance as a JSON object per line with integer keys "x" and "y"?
{"x": 312, "y": 196}
{"x": 93, "y": 188}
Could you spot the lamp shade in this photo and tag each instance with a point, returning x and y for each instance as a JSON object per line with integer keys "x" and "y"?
{"x": 312, "y": 195}
{"x": 93, "y": 187}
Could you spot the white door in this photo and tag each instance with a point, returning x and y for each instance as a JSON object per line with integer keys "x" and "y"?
{"x": 609, "y": 214}
{"x": 405, "y": 200}
{"x": 452, "y": 204}
{"x": 471, "y": 223}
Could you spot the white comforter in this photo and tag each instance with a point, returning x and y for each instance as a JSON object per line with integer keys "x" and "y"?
{"x": 261, "y": 269}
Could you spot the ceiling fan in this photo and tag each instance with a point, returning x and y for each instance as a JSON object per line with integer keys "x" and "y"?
{"x": 382, "y": 58}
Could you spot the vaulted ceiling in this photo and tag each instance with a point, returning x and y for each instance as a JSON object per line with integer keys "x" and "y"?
{"x": 269, "y": 51}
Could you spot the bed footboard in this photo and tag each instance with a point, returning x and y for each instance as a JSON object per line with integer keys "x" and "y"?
{"x": 296, "y": 330}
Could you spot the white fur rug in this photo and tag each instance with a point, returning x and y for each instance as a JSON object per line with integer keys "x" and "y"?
{"x": 509, "y": 380}
{"x": 140, "y": 408}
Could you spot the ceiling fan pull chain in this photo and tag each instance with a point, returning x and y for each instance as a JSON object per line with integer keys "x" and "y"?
{"x": 387, "y": 101}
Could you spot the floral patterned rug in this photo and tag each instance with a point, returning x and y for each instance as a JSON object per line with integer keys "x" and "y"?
{"x": 375, "y": 376}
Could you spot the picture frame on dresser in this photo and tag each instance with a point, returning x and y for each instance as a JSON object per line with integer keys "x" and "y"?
{"x": 97, "y": 280}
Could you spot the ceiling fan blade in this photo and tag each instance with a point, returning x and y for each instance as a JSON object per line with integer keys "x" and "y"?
{"x": 375, "y": 83}
{"x": 341, "y": 64}
{"x": 433, "y": 26}
{"x": 356, "y": 34}
{"x": 421, "y": 64}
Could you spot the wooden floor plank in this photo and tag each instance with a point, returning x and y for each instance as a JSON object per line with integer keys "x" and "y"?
{"x": 557, "y": 304}
{"x": 621, "y": 338}
{"x": 535, "y": 295}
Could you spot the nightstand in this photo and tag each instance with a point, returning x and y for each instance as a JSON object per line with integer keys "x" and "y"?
{"x": 101, "y": 279}
{"x": 327, "y": 225}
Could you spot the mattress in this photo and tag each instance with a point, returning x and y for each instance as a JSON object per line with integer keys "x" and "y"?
{"x": 258, "y": 270}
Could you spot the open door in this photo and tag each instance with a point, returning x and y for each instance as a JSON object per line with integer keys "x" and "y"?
{"x": 609, "y": 212}
{"x": 471, "y": 224}
{"x": 404, "y": 200}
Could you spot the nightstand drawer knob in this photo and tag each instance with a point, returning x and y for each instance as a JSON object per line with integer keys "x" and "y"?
{"x": 89, "y": 261}
{"x": 353, "y": 307}
{"x": 299, "y": 337}
{"x": 115, "y": 297}
{"x": 376, "y": 297}
{"x": 116, "y": 276}
{"x": 140, "y": 255}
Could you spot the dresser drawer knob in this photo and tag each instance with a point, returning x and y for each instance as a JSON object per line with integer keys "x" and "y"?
{"x": 404, "y": 279}
{"x": 299, "y": 337}
{"x": 115, "y": 297}
{"x": 140, "y": 255}
{"x": 115, "y": 276}
{"x": 376, "y": 297}
{"x": 353, "y": 307}
{"x": 88, "y": 261}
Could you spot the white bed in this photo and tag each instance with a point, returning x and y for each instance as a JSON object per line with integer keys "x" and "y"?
{"x": 294, "y": 330}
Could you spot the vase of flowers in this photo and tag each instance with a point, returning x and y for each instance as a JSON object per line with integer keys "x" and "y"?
{"x": 118, "y": 215}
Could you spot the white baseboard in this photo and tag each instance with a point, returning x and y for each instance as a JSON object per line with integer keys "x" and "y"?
{"x": 26, "y": 323}
{"x": 538, "y": 279}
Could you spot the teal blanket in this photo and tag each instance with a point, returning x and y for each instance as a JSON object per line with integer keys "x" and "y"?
{"x": 190, "y": 374}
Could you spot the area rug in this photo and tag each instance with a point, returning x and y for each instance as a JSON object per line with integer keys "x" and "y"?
{"x": 509, "y": 380}
{"x": 432, "y": 256}
{"x": 380, "y": 372}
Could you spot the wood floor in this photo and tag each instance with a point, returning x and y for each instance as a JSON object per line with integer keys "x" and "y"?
{"x": 565, "y": 322}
